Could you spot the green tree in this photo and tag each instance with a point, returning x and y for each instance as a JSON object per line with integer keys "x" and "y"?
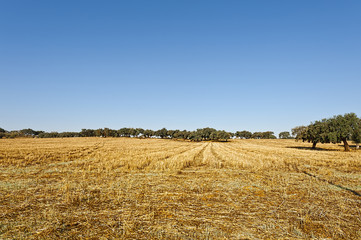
{"x": 337, "y": 129}
{"x": 124, "y": 132}
{"x": 133, "y": 132}
{"x": 106, "y": 132}
{"x": 182, "y": 134}
{"x": 195, "y": 136}
{"x": 205, "y": 133}
{"x": 222, "y": 135}
{"x": 317, "y": 132}
{"x": 49, "y": 135}
{"x": 356, "y": 135}
{"x": 244, "y": 134}
{"x": 148, "y": 133}
{"x": 162, "y": 133}
{"x": 87, "y": 133}
{"x": 284, "y": 135}
{"x": 28, "y": 132}
{"x": 171, "y": 133}
{"x": 2, "y": 132}
{"x": 268, "y": 135}
{"x": 264, "y": 135}
{"x": 341, "y": 128}
{"x": 99, "y": 132}
{"x": 68, "y": 134}
{"x": 139, "y": 132}
{"x": 257, "y": 135}
{"x": 300, "y": 133}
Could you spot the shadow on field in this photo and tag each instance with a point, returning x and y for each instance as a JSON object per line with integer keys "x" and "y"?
{"x": 351, "y": 146}
{"x": 315, "y": 149}
{"x": 333, "y": 184}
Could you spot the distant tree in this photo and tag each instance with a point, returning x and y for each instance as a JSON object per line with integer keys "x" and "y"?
{"x": 162, "y": 133}
{"x": 284, "y": 135}
{"x": 106, "y": 132}
{"x": 14, "y": 134}
{"x": 38, "y": 132}
{"x": 268, "y": 135}
{"x": 182, "y": 134}
{"x": 148, "y": 133}
{"x": 133, "y": 132}
{"x": 195, "y": 136}
{"x": 226, "y": 135}
{"x": 2, "y": 133}
{"x": 220, "y": 135}
{"x": 232, "y": 134}
{"x": 214, "y": 136}
{"x": 244, "y": 134}
{"x": 300, "y": 133}
{"x": 99, "y": 132}
{"x": 205, "y": 133}
{"x": 68, "y": 134}
{"x": 87, "y": 133}
{"x": 264, "y": 135}
{"x": 49, "y": 135}
{"x": 257, "y": 135}
{"x": 125, "y": 132}
{"x": 139, "y": 132}
{"x": 28, "y": 132}
{"x": 113, "y": 133}
{"x": 172, "y": 133}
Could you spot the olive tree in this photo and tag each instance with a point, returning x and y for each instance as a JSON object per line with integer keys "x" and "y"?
{"x": 284, "y": 135}
{"x": 342, "y": 128}
{"x": 300, "y": 133}
{"x": 317, "y": 132}
{"x": 244, "y": 134}
{"x": 337, "y": 129}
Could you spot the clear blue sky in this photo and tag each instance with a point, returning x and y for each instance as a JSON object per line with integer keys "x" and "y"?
{"x": 233, "y": 65}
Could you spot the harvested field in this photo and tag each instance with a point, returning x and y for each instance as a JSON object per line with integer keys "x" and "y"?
{"x": 124, "y": 188}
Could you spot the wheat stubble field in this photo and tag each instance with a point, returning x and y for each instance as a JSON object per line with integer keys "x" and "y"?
{"x": 124, "y": 188}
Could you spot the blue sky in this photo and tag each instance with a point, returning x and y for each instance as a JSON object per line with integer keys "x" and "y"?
{"x": 233, "y": 65}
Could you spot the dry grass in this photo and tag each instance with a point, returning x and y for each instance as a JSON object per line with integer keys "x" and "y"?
{"x": 96, "y": 188}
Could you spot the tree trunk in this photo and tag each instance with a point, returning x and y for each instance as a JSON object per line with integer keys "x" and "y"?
{"x": 346, "y": 146}
{"x": 314, "y": 145}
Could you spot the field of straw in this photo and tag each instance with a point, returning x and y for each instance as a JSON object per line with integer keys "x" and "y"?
{"x": 122, "y": 188}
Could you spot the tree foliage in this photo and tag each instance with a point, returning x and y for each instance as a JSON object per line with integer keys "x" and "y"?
{"x": 201, "y": 134}
{"x": 300, "y": 133}
{"x": 284, "y": 135}
{"x": 340, "y": 128}
{"x": 243, "y": 134}
{"x": 264, "y": 135}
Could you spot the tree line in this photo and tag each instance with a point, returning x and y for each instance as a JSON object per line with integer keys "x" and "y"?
{"x": 337, "y": 129}
{"x": 202, "y": 134}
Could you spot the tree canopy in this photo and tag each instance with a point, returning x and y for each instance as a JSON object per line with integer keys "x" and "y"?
{"x": 201, "y": 134}
{"x": 339, "y": 128}
{"x": 284, "y": 135}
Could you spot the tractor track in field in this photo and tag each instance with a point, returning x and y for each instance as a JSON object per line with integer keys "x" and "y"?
{"x": 198, "y": 158}
{"x": 318, "y": 178}
{"x": 86, "y": 151}
{"x": 146, "y": 164}
{"x": 218, "y": 157}
{"x": 157, "y": 151}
